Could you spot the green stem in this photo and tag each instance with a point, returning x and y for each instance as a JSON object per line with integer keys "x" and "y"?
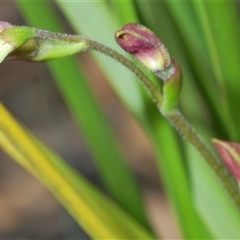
{"x": 178, "y": 121}
{"x": 174, "y": 117}
{"x": 147, "y": 83}
{"x": 188, "y": 133}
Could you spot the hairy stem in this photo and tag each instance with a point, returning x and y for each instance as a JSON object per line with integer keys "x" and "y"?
{"x": 147, "y": 83}
{"x": 175, "y": 117}
{"x": 187, "y": 131}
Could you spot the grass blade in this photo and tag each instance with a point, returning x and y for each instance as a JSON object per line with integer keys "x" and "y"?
{"x": 196, "y": 55}
{"x": 125, "y": 11}
{"x": 220, "y": 26}
{"x": 80, "y": 17}
{"x": 111, "y": 164}
{"x": 176, "y": 181}
{"x": 215, "y": 209}
{"x": 172, "y": 166}
{"x": 215, "y": 206}
{"x": 99, "y": 216}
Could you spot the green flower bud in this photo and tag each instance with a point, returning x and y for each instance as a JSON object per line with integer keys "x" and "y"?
{"x": 13, "y": 37}
{"x": 31, "y": 44}
{"x": 47, "y": 45}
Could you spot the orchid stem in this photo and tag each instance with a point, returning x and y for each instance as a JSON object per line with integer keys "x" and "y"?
{"x": 177, "y": 120}
{"x": 147, "y": 83}
{"x": 190, "y": 135}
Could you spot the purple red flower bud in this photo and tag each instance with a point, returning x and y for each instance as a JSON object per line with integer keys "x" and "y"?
{"x": 230, "y": 154}
{"x": 143, "y": 44}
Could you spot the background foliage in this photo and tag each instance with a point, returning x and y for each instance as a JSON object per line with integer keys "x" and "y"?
{"x": 204, "y": 37}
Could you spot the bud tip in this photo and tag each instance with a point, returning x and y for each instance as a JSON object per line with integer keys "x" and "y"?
{"x": 143, "y": 44}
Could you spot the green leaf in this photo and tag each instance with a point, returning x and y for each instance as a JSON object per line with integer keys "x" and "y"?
{"x": 218, "y": 211}
{"x": 170, "y": 157}
{"x": 125, "y": 11}
{"x": 156, "y": 16}
{"x": 220, "y": 26}
{"x": 80, "y": 17}
{"x": 100, "y": 217}
{"x": 111, "y": 164}
{"x": 198, "y": 77}
{"x": 176, "y": 181}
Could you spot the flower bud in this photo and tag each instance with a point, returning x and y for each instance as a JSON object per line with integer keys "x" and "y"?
{"x": 31, "y": 44}
{"x": 143, "y": 44}
{"x": 5, "y": 47}
{"x": 230, "y": 154}
{"x": 47, "y": 45}
{"x": 13, "y": 37}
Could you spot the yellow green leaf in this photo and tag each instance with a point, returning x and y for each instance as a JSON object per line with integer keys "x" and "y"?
{"x": 100, "y": 217}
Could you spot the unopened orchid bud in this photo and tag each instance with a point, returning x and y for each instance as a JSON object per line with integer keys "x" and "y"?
{"x": 230, "y": 154}
{"x": 143, "y": 44}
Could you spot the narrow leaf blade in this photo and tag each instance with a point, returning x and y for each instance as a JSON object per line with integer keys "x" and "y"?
{"x": 99, "y": 216}
{"x": 111, "y": 164}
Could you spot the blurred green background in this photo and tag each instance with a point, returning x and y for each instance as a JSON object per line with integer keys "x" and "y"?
{"x": 27, "y": 208}
{"x": 124, "y": 146}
